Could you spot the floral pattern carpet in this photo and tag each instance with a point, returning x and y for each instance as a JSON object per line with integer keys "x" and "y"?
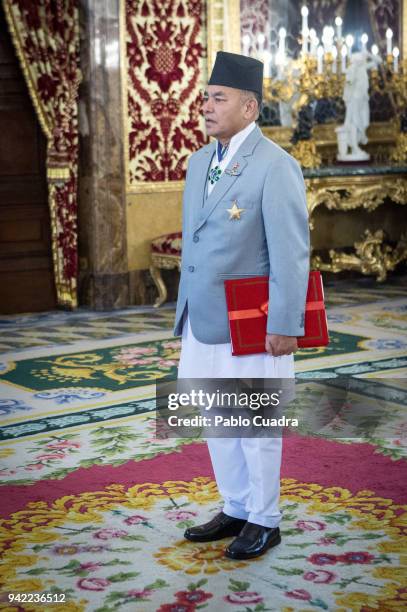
{"x": 94, "y": 505}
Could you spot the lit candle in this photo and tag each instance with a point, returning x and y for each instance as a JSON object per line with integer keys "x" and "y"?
{"x": 281, "y": 43}
{"x": 316, "y": 43}
{"x": 312, "y": 37}
{"x": 267, "y": 57}
{"x": 279, "y": 65}
{"x": 335, "y": 56}
{"x": 349, "y": 40}
{"x": 261, "y": 39}
{"x": 304, "y": 13}
{"x": 375, "y": 53}
{"x": 304, "y": 42}
{"x": 389, "y": 36}
{"x": 331, "y": 35}
{"x": 338, "y": 23}
{"x": 246, "y": 44}
{"x": 304, "y": 30}
{"x": 320, "y": 55}
{"x": 344, "y": 52}
{"x": 327, "y": 38}
{"x": 364, "y": 38}
{"x": 396, "y": 54}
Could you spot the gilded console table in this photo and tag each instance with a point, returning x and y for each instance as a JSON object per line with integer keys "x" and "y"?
{"x": 362, "y": 241}
{"x": 345, "y": 233}
{"x": 165, "y": 255}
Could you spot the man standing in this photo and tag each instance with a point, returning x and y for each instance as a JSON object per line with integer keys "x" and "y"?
{"x": 244, "y": 214}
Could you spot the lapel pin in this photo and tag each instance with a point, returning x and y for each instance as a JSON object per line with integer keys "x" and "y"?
{"x": 234, "y": 170}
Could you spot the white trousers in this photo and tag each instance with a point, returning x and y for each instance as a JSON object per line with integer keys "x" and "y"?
{"x": 247, "y": 470}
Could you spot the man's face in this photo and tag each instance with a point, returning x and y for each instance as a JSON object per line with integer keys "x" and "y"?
{"x": 225, "y": 112}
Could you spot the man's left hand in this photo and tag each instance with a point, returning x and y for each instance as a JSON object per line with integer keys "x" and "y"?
{"x": 277, "y": 345}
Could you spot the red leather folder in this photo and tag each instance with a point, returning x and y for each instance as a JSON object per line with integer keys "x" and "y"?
{"x": 247, "y": 303}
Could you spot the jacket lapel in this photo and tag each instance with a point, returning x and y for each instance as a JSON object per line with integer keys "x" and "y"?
{"x": 205, "y": 162}
{"x": 226, "y": 180}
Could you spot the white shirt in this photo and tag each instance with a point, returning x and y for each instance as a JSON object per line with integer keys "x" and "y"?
{"x": 234, "y": 145}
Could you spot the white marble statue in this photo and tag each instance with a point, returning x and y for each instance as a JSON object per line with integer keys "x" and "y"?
{"x": 357, "y": 118}
{"x": 287, "y": 108}
{"x": 286, "y": 111}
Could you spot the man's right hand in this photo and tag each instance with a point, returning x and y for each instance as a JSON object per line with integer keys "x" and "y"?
{"x": 277, "y": 345}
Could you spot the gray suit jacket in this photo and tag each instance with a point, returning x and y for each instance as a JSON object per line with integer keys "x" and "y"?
{"x": 271, "y": 238}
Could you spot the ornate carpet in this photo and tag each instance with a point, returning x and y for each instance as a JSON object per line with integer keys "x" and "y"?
{"x": 93, "y": 505}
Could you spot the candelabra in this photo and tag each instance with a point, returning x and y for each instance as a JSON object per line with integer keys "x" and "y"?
{"x": 305, "y": 81}
{"x": 319, "y": 73}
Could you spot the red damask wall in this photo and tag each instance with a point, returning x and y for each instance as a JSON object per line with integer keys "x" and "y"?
{"x": 166, "y": 68}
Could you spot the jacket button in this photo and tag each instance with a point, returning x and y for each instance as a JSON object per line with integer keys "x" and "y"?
{"x": 196, "y": 238}
{"x": 191, "y": 268}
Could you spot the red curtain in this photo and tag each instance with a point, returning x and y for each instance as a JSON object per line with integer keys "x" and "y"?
{"x": 45, "y": 34}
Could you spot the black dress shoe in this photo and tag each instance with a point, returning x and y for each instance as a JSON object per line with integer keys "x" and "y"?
{"x": 253, "y": 541}
{"x": 221, "y": 526}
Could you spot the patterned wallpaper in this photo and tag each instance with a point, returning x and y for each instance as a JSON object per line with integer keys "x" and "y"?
{"x": 166, "y": 65}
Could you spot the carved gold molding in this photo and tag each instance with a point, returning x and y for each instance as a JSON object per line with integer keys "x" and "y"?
{"x": 166, "y": 262}
{"x": 399, "y": 152}
{"x": 139, "y": 187}
{"x": 305, "y": 151}
{"x": 158, "y": 263}
{"x": 371, "y": 256}
{"x": 351, "y": 192}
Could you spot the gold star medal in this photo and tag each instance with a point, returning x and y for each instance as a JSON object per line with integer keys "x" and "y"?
{"x": 235, "y": 211}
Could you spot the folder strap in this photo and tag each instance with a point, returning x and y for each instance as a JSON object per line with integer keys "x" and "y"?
{"x": 262, "y": 311}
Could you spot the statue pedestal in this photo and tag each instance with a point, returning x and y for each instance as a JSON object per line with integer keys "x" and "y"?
{"x": 343, "y": 145}
{"x": 354, "y": 157}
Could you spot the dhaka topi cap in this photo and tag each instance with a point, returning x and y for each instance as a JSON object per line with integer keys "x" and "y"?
{"x": 238, "y": 71}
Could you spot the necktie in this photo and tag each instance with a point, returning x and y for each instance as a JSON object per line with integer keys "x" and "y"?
{"x": 222, "y": 150}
